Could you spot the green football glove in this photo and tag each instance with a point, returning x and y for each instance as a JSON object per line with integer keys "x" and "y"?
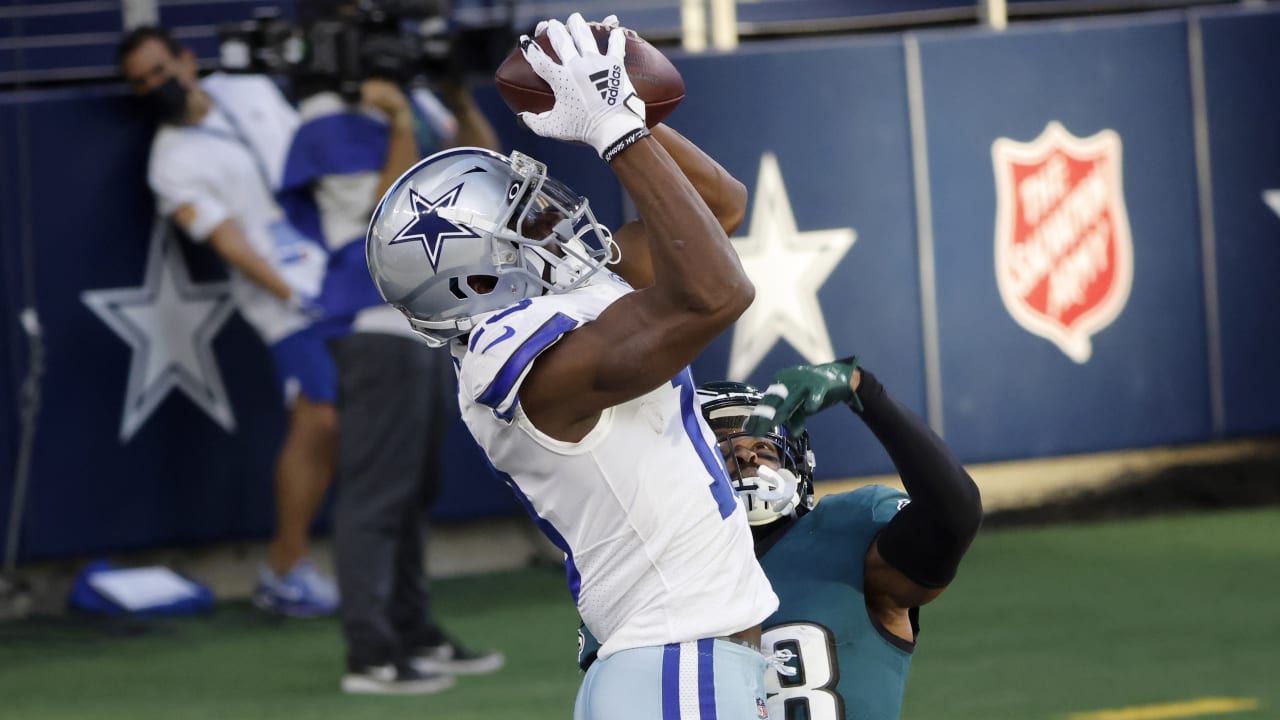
{"x": 798, "y": 392}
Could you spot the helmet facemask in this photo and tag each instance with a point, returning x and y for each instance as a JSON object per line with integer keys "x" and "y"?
{"x": 753, "y": 462}
{"x": 546, "y": 234}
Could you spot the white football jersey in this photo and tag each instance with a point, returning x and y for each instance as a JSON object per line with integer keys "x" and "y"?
{"x": 656, "y": 541}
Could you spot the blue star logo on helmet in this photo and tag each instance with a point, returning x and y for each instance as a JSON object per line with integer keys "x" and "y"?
{"x": 428, "y": 228}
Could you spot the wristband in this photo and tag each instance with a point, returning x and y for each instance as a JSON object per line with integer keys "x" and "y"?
{"x": 623, "y": 143}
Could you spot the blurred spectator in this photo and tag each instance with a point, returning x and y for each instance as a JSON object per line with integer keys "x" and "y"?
{"x": 215, "y": 160}
{"x": 396, "y": 394}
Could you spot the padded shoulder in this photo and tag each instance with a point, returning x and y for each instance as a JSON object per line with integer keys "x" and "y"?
{"x": 501, "y": 351}
{"x": 868, "y": 508}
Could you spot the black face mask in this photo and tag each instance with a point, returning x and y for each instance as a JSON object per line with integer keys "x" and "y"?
{"x": 167, "y": 103}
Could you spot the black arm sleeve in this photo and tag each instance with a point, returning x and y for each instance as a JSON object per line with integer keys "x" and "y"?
{"x": 927, "y": 538}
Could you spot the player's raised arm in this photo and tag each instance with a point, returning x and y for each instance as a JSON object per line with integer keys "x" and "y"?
{"x": 699, "y": 288}
{"x": 724, "y": 194}
{"x": 916, "y": 555}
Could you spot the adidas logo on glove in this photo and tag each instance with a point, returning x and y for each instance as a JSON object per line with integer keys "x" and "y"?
{"x": 607, "y": 82}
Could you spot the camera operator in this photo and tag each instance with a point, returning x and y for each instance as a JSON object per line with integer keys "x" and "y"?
{"x": 214, "y": 162}
{"x": 395, "y": 395}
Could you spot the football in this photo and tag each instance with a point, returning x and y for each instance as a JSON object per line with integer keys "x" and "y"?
{"x": 656, "y": 80}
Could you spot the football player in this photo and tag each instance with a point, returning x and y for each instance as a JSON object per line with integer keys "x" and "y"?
{"x": 851, "y": 571}
{"x": 577, "y": 386}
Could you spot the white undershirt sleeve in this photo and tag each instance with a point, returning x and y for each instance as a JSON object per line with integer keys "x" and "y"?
{"x": 177, "y": 181}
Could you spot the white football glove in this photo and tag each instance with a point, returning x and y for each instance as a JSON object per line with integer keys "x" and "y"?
{"x": 596, "y": 103}
{"x": 609, "y": 21}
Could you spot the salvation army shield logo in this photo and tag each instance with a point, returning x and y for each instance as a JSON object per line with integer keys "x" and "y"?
{"x": 1064, "y": 254}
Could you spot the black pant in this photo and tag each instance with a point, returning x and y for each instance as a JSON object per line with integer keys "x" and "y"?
{"x": 395, "y": 402}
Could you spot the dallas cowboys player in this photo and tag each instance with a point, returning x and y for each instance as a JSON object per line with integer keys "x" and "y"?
{"x": 578, "y": 388}
{"x": 852, "y": 571}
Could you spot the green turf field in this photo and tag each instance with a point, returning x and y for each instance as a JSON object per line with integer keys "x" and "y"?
{"x": 1041, "y": 623}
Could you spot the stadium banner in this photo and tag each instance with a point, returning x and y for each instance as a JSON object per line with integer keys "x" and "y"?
{"x": 828, "y": 239}
{"x": 1067, "y": 245}
{"x": 160, "y": 414}
{"x": 1242, "y": 72}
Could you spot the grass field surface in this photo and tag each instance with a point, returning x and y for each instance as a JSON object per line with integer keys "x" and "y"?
{"x": 1140, "y": 620}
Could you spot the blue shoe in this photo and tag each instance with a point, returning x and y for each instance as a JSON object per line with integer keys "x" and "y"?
{"x": 302, "y": 592}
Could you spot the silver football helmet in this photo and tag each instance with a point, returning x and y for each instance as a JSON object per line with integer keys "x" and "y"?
{"x": 467, "y": 232}
{"x": 769, "y": 495}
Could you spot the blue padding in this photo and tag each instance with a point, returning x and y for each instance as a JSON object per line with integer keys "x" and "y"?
{"x": 93, "y": 21}
{"x": 214, "y": 13}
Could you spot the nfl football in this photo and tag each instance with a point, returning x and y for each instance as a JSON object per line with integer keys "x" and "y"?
{"x": 656, "y": 80}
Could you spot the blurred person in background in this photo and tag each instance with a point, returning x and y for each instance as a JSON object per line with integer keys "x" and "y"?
{"x": 395, "y": 394}
{"x": 215, "y": 161}
{"x": 852, "y": 571}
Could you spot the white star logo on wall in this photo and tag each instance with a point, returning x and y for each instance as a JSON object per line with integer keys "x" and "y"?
{"x": 1272, "y": 198}
{"x": 787, "y": 267}
{"x": 169, "y": 323}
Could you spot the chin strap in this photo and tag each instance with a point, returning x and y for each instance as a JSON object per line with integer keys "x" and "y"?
{"x": 555, "y": 271}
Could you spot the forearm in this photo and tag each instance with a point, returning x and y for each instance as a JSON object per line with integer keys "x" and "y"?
{"x": 402, "y": 152}
{"x": 691, "y": 256}
{"x": 229, "y": 242}
{"x": 724, "y": 195}
{"x": 474, "y": 129}
{"x": 927, "y": 538}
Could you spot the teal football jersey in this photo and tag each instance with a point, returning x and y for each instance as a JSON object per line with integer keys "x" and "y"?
{"x": 846, "y": 667}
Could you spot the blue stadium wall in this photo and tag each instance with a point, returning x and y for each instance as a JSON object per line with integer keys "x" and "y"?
{"x": 888, "y": 140}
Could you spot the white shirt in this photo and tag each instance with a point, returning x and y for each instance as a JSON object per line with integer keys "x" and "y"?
{"x": 209, "y": 167}
{"x": 346, "y": 200}
{"x": 661, "y": 557}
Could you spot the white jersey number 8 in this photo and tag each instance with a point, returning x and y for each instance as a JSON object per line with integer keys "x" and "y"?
{"x": 813, "y": 686}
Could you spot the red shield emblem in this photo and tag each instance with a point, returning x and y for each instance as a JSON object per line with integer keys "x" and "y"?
{"x": 1064, "y": 255}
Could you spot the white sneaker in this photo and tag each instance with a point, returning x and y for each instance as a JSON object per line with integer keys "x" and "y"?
{"x": 302, "y": 592}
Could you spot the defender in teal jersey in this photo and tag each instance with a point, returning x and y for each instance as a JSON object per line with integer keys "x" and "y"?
{"x": 851, "y": 571}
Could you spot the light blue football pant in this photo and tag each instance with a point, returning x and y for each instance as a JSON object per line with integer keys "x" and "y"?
{"x": 712, "y": 679}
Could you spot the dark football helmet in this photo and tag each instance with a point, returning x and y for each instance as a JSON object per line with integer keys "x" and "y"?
{"x": 769, "y": 496}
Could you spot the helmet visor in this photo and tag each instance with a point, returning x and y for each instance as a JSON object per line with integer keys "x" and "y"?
{"x": 743, "y": 453}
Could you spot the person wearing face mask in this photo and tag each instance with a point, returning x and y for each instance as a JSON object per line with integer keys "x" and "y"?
{"x": 215, "y": 161}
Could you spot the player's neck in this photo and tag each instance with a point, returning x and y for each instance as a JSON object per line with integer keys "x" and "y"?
{"x": 766, "y": 536}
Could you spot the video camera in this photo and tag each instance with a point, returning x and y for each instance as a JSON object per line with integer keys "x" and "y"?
{"x": 338, "y": 44}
